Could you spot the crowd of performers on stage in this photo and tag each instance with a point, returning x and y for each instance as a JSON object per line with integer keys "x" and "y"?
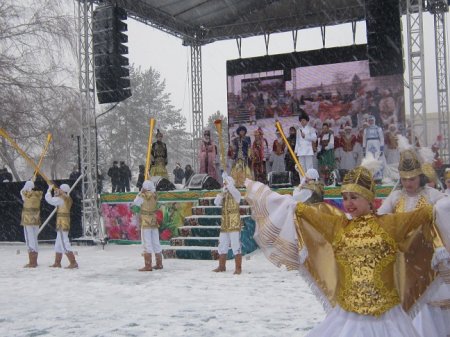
{"x": 378, "y": 272}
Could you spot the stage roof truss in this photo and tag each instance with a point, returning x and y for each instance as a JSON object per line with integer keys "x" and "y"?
{"x": 207, "y": 21}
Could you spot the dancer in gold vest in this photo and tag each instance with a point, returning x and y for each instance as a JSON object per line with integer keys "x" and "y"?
{"x": 147, "y": 201}
{"x": 230, "y": 227}
{"x": 432, "y": 320}
{"x": 63, "y": 202}
{"x": 362, "y": 266}
{"x": 31, "y": 220}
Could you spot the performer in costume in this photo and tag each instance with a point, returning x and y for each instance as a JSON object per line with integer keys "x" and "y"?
{"x": 325, "y": 152}
{"x": 432, "y": 320}
{"x": 63, "y": 202}
{"x": 290, "y": 164}
{"x": 147, "y": 201}
{"x": 310, "y": 190}
{"x": 277, "y": 156}
{"x": 208, "y": 155}
{"x": 230, "y": 227}
{"x": 258, "y": 157}
{"x": 351, "y": 263}
{"x": 31, "y": 220}
{"x": 241, "y": 151}
{"x": 427, "y": 156}
{"x": 373, "y": 141}
{"x": 306, "y": 136}
{"x": 159, "y": 157}
{"x": 447, "y": 181}
{"x": 347, "y": 154}
{"x": 392, "y": 153}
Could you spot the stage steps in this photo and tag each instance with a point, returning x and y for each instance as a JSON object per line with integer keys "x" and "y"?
{"x": 199, "y": 236}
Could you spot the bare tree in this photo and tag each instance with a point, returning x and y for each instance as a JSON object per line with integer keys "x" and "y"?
{"x": 36, "y": 72}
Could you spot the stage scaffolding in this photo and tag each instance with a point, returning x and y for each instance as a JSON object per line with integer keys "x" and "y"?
{"x": 197, "y": 100}
{"x": 193, "y": 36}
{"x": 438, "y": 8}
{"x": 90, "y": 202}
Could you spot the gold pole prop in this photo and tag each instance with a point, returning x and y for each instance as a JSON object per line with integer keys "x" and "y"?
{"x": 218, "y": 125}
{"x": 49, "y": 138}
{"x": 4, "y": 134}
{"x": 294, "y": 157}
{"x": 149, "y": 148}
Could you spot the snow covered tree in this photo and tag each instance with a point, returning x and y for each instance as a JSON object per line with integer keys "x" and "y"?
{"x": 123, "y": 132}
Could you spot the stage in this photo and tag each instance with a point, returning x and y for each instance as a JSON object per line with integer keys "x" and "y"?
{"x": 189, "y": 221}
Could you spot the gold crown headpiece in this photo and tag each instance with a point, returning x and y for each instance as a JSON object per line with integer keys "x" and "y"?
{"x": 359, "y": 180}
{"x": 409, "y": 165}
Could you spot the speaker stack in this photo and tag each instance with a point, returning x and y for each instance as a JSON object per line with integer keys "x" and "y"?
{"x": 384, "y": 37}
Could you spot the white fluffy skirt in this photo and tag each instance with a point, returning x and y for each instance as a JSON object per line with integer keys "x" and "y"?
{"x": 341, "y": 323}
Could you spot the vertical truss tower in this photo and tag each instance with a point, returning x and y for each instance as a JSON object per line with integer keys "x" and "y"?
{"x": 197, "y": 99}
{"x": 90, "y": 211}
{"x": 416, "y": 66}
{"x": 438, "y": 8}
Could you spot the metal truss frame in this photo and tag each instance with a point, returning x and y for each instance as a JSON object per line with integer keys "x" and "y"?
{"x": 416, "y": 65}
{"x": 197, "y": 99}
{"x": 90, "y": 203}
{"x": 441, "y": 76}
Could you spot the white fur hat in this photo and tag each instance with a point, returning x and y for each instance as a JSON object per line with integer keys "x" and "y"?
{"x": 149, "y": 186}
{"x": 312, "y": 174}
{"x": 65, "y": 188}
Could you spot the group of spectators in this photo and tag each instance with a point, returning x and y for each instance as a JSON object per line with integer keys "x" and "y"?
{"x": 120, "y": 177}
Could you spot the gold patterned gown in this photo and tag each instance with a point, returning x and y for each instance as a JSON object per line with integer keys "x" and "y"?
{"x": 355, "y": 267}
{"x": 432, "y": 319}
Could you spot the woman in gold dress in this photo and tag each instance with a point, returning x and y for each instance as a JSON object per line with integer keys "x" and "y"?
{"x": 366, "y": 269}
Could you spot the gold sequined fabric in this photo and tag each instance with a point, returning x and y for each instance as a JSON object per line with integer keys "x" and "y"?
{"x": 366, "y": 255}
{"x": 31, "y": 212}
{"x": 148, "y": 209}
{"x": 231, "y": 218}
{"x": 400, "y": 207}
{"x": 369, "y": 264}
{"x": 240, "y": 172}
{"x": 63, "y": 214}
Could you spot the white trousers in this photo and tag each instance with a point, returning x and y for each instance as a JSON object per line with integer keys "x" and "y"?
{"x": 150, "y": 240}
{"x": 31, "y": 238}
{"x": 228, "y": 239}
{"x": 62, "y": 243}
{"x": 306, "y": 162}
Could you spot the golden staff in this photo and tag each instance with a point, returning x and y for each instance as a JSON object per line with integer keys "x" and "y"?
{"x": 49, "y": 138}
{"x": 25, "y": 156}
{"x": 294, "y": 157}
{"x": 149, "y": 148}
{"x": 218, "y": 125}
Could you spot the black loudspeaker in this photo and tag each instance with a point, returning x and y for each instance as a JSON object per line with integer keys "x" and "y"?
{"x": 384, "y": 37}
{"x": 162, "y": 184}
{"x": 280, "y": 179}
{"x": 111, "y": 65}
{"x": 202, "y": 181}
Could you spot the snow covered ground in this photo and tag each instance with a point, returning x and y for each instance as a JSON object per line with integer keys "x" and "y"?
{"x": 107, "y": 296}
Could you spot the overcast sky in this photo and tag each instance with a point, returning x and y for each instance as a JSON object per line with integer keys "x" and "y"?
{"x": 165, "y": 53}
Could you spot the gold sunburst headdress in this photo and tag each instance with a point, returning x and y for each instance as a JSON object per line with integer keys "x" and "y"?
{"x": 360, "y": 179}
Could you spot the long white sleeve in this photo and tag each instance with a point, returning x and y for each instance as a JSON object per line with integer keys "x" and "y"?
{"x": 218, "y": 200}
{"x": 138, "y": 201}
{"x": 330, "y": 145}
{"x": 234, "y": 193}
{"x": 54, "y": 201}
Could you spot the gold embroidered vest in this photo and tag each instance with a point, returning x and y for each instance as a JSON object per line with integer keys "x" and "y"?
{"x": 63, "y": 214}
{"x": 400, "y": 206}
{"x": 148, "y": 209}
{"x": 31, "y": 212}
{"x": 231, "y": 218}
{"x": 366, "y": 254}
